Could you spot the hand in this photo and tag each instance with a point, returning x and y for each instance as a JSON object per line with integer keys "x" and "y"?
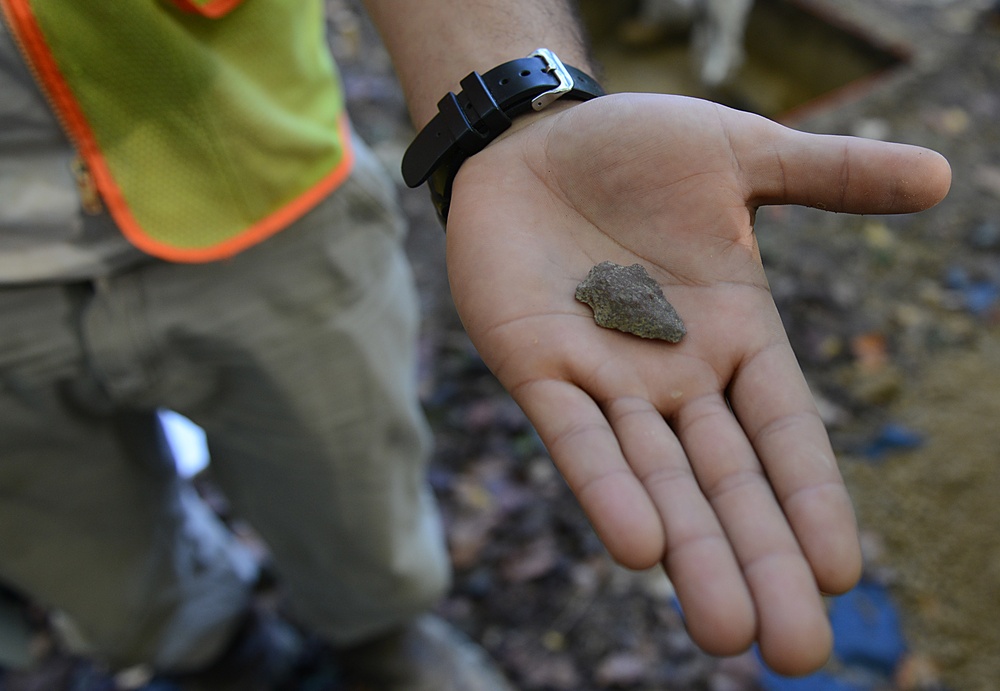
{"x": 707, "y": 455}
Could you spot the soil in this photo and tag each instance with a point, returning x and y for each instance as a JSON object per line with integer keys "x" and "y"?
{"x": 896, "y": 321}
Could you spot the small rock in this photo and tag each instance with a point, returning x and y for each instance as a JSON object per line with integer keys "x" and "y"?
{"x": 918, "y": 672}
{"x": 626, "y": 298}
{"x": 621, "y": 669}
{"x": 949, "y": 121}
{"x": 871, "y": 352}
{"x": 738, "y": 673}
{"x": 554, "y": 671}
{"x": 987, "y": 177}
{"x": 534, "y": 560}
{"x": 872, "y": 128}
{"x": 830, "y": 413}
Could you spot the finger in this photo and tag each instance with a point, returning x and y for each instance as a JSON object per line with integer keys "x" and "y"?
{"x": 774, "y": 406}
{"x": 588, "y": 455}
{"x": 793, "y": 630}
{"x": 837, "y": 173}
{"x": 717, "y": 605}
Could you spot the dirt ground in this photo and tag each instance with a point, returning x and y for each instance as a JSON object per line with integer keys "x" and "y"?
{"x": 895, "y": 322}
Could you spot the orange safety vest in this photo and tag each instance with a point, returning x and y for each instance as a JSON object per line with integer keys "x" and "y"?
{"x": 207, "y": 125}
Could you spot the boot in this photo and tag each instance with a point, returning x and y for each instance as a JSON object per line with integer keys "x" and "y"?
{"x": 428, "y": 654}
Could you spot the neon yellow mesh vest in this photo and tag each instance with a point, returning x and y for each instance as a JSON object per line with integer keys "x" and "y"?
{"x": 207, "y": 125}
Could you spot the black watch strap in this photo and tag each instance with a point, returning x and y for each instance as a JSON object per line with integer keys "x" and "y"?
{"x": 466, "y": 122}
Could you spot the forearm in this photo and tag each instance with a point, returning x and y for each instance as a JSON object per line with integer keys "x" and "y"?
{"x": 435, "y": 43}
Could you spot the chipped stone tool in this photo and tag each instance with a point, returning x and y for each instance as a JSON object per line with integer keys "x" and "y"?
{"x": 626, "y": 298}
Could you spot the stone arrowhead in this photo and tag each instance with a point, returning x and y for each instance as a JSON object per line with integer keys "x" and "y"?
{"x": 627, "y": 298}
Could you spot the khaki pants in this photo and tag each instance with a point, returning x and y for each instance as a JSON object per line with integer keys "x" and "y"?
{"x": 297, "y": 359}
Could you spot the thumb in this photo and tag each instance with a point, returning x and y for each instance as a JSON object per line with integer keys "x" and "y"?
{"x": 837, "y": 173}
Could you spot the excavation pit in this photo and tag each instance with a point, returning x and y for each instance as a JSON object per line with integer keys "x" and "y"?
{"x": 799, "y": 59}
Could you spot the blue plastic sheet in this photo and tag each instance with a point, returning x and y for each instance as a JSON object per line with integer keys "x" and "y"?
{"x": 892, "y": 437}
{"x": 868, "y": 645}
{"x": 978, "y": 296}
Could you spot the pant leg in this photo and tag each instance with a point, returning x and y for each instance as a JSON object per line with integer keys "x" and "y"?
{"x": 93, "y": 521}
{"x": 313, "y": 423}
{"x": 297, "y": 357}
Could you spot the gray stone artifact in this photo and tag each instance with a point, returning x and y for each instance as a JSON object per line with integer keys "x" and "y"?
{"x": 627, "y": 298}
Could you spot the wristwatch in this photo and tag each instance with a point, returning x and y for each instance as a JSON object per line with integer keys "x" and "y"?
{"x": 466, "y": 122}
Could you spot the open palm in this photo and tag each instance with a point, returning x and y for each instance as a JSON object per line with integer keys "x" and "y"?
{"x": 706, "y": 455}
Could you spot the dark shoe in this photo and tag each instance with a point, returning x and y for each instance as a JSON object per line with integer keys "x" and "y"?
{"x": 264, "y": 656}
{"x": 426, "y": 655}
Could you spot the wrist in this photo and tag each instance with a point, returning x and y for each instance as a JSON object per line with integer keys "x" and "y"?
{"x": 486, "y": 108}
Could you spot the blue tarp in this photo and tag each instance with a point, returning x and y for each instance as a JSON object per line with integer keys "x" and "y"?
{"x": 868, "y": 645}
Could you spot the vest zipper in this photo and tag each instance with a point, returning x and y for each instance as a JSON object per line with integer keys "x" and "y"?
{"x": 90, "y": 196}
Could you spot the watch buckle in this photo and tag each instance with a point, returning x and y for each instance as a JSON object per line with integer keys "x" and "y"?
{"x": 553, "y": 65}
